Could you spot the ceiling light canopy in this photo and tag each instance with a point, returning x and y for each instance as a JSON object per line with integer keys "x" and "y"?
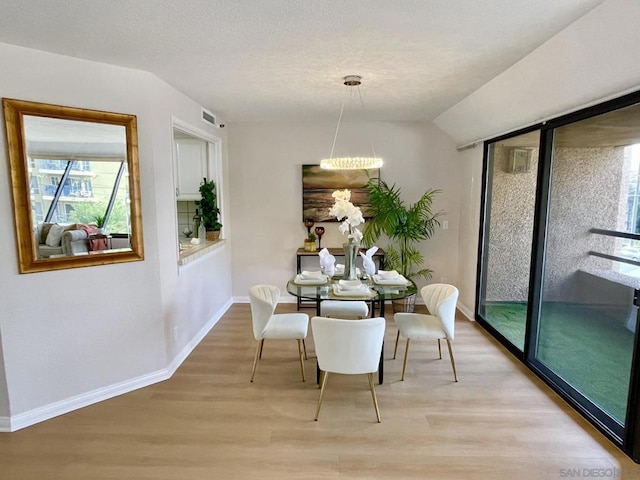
{"x": 350, "y": 163}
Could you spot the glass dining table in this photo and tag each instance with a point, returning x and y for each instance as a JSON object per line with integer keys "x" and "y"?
{"x": 377, "y": 295}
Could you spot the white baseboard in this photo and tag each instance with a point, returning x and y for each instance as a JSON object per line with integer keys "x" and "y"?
{"x": 40, "y": 414}
{"x": 5, "y": 424}
{"x": 46, "y": 412}
{"x": 466, "y": 312}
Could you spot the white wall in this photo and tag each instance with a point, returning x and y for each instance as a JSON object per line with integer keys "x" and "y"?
{"x": 267, "y": 190}
{"x": 73, "y": 337}
{"x": 470, "y": 172}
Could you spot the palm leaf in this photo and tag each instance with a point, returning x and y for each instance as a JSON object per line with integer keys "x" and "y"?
{"x": 403, "y": 225}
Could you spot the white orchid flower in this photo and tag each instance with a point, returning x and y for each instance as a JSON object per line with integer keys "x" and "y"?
{"x": 344, "y": 195}
{"x": 351, "y": 215}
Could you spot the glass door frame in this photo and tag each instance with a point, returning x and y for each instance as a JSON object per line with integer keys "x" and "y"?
{"x": 483, "y": 243}
{"x": 625, "y": 437}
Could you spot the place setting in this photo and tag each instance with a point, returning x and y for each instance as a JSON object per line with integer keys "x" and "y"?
{"x": 391, "y": 278}
{"x": 311, "y": 277}
{"x": 352, "y": 289}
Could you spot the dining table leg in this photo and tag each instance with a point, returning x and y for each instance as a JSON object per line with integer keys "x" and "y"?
{"x": 381, "y": 363}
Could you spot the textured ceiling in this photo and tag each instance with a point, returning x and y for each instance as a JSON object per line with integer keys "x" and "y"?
{"x": 255, "y": 60}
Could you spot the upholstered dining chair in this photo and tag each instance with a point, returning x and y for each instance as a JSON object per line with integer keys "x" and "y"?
{"x": 440, "y": 299}
{"x": 267, "y": 324}
{"x": 344, "y": 308}
{"x": 348, "y": 347}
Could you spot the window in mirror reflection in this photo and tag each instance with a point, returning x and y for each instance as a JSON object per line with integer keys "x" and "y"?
{"x": 78, "y": 187}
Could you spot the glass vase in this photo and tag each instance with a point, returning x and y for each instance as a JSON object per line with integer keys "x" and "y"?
{"x": 350, "y": 256}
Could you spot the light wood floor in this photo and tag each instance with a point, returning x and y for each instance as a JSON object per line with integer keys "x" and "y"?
{"x": 209, "y": 422}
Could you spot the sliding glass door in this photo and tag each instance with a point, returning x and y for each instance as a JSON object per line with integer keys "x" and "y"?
{"x": 511, "y": 192}
{"x": 559, "y": 272}
{"x": 587, "y": 317}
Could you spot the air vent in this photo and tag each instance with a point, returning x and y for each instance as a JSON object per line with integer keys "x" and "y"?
{"x": 519, "y": 160}
{"x": 209, "y": 117}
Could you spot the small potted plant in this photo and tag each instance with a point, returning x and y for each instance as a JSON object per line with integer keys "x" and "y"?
{"x": 210, "y": 211}
{"x": 310, "y": 243}
{"x": 99, "y": 220}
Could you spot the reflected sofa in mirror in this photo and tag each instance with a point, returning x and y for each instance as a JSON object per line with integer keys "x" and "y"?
{"x": 75, "y": 186}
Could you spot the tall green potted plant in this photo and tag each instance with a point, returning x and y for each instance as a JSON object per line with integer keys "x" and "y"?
{"x": 405, "y": 225}
{"x": 209, "y": 207}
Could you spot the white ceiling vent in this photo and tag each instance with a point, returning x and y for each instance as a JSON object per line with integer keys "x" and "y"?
{"x": 209, "y": 117}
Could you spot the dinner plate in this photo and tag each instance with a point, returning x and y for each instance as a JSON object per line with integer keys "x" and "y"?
{"x": 350, "y": 284}
{"x": 311, "y": 281}
{"x": 308, "y": 274}
{"x": 387, "y": 274}
{"x": 399, "y": 280}
{"x": 364, "y": 292}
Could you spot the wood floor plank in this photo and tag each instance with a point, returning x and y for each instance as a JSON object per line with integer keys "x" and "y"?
{"x": 209, "y": 422}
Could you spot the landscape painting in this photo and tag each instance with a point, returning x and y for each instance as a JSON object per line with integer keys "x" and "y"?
{"x": 318, "y": 185}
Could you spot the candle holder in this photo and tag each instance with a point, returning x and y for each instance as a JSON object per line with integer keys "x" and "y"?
{"x": 319, "y": 232}
{"x": 308, "y": 222}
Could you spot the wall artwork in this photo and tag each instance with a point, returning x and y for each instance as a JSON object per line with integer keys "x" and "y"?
{"x": 318, "y": 185}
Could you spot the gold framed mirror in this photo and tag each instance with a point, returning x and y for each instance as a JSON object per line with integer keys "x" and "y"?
{"x": 76, "y": 186}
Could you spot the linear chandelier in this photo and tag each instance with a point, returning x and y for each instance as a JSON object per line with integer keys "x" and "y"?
{"x": 350, "y": 163}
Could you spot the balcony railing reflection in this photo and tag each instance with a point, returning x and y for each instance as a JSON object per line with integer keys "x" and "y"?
{"x": 630, "y": 260}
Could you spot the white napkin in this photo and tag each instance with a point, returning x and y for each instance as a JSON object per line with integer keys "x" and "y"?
{"x": 310, "y": 281}
{"x": 350, "y": 284}
{"x": 327, "y": 262}
{"x": 397, "y": 280}
{"x": 311, "y": 275}
{"x": 362, "y": 290}
{"x": 367, "y": 261}
{"x": 387, "y": 274}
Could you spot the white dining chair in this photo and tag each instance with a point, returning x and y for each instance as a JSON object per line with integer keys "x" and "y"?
{"x": 344, "y": 308}
{"x": 267, "y": 324}
{"x": 440, "y": 300}
{"x": 348, "y": 347}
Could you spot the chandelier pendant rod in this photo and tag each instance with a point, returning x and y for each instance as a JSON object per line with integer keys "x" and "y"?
{"x": 335, "y": 137}
{"x": 362, "y": 105}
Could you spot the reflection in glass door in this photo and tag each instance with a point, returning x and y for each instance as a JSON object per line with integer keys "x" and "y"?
{"x": 587, "y": 318}
{"x": 509, "y": 218}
